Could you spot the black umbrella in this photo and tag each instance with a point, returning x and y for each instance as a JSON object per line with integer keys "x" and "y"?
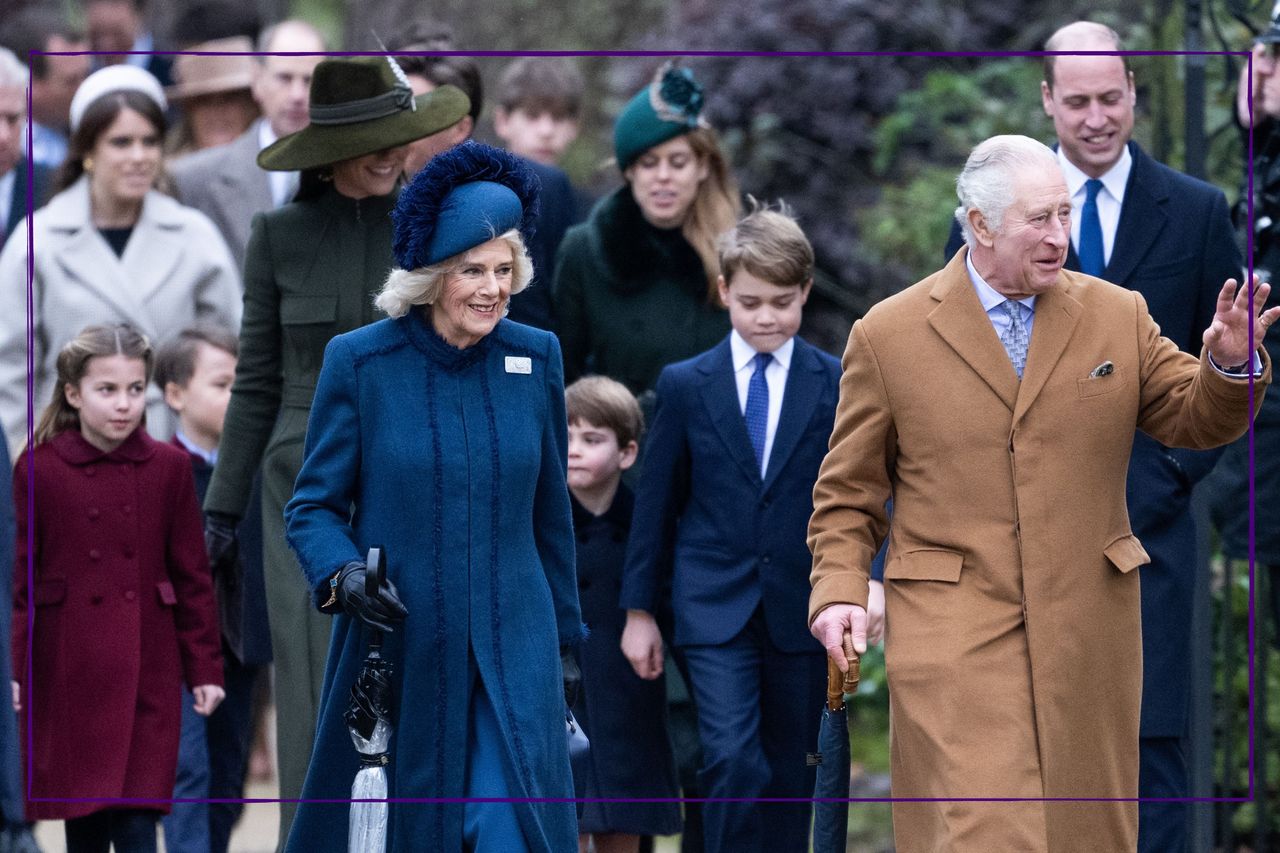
{"x": 831, "y": 789}
{"x": 369, "y": 719}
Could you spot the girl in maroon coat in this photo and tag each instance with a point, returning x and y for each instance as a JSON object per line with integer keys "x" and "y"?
{"x": 122, "y": 607}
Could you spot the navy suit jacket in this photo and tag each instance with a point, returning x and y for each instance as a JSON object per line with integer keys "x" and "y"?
{"x": 729, "y": 539}
{"x": 557, "y": 210}
{"x": 1175, "y": 245}
{"x": 40, "y": 178}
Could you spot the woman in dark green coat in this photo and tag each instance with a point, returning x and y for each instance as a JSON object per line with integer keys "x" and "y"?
{"x": 312, "y": 268}
{"x": 636, "y": 283}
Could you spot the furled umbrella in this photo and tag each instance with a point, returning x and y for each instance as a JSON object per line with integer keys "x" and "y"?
{"x": 369, "y": 720}
{"x": 831, "y": 789}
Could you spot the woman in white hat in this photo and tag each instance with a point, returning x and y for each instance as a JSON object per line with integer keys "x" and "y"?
{"x": 108, "y": 248}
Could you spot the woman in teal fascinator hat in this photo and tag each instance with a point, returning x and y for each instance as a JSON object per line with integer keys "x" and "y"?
{"x": 636, "y": 283}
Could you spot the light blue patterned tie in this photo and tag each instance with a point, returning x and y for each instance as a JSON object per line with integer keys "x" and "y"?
{"x": 1014, "y": 338}
{"x": 1091, "y": 255}
{"x": 757, "y": 412}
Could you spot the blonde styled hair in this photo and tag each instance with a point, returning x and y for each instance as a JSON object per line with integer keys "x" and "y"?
{"x": 423, "y": 286}
{"x": 769, "y": 245}
{"x": 73, "y": 363}
{"x": 715, "y": 208}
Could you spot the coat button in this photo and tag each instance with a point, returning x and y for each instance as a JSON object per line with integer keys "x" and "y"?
{"x": 95, "y": 554}
{"x": 126, "y": 509}
{"x": 584, "y": 584}
{"x": 130, "y": 595}
{"x": 95, "y": 599}
{"x": 128, "y": 550}
{"x": 765, "y": 559}
{"x": 93, "y": 512}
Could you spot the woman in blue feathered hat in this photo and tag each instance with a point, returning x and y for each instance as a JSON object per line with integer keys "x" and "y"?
{"x": 440, "y": 434}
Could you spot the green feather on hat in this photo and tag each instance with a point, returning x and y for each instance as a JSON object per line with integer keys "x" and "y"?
{"x": 668, "y": 107}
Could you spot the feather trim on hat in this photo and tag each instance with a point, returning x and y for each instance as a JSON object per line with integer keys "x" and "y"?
{"x": 419, "y": 205}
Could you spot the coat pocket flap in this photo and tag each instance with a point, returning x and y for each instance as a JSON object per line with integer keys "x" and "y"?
{"x": 1126, "y": 553}
{"x": 926, "y": 564}
{"x": 50, "y": 591}
{"x": 167, "y": 595}
{"x": 295, "y": 309}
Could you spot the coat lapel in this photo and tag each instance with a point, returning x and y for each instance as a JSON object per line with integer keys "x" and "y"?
{"x": 1142, "y": 218}
{"x": 799, "y": 400}
{"x": 720, "y": 396}
{"x": 86, "y": 258}
{"x": 156, "y": 247}
{"x": 1057, "y": 314}
{"x": 967, "y": 329}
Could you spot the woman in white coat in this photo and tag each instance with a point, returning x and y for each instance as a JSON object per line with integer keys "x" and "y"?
{"x": 109, "y": 248}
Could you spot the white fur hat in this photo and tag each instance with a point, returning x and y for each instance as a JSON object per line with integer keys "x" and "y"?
{"x": 115, "y": 78}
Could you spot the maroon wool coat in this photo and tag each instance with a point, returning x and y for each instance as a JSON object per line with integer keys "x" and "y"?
{"x": 123, "y": 614}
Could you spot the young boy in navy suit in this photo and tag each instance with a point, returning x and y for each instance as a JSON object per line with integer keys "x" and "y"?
{"x": 723, "y": 508}
{"x": 195, "y": 371}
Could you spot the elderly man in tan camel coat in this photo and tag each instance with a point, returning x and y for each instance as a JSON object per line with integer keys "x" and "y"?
{"x": 996, "y": 401}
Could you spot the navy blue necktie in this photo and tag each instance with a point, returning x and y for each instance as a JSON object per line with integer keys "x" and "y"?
{"x": 757, "y": 412}
{"x": 1090, "y": 249}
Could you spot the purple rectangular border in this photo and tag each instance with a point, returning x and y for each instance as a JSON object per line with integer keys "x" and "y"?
{"x": 1247, "y": 55}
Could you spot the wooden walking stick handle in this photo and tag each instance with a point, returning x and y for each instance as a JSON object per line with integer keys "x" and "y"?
{"x": 839, "y": 683}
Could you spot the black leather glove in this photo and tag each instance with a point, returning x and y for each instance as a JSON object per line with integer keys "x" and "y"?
{"x": 378, "y": 612}
{"x": 572, "y": 675}
{"x": 220, "y": 540}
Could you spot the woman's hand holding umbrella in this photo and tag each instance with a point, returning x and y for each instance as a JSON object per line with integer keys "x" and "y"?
{"x": 379, "y": 610}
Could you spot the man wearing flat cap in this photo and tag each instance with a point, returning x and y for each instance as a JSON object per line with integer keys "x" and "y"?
{"x": 996, "y": 401}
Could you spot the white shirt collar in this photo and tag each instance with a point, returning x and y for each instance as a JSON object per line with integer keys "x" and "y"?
{"x": 6, "y": 198}
{"x": 209, "y": 456}
{"x": 743, "y": 352}
{"x": 1114, "y": 181}
{"x": 988, "y": 295}
{"x": 266, "y": 136}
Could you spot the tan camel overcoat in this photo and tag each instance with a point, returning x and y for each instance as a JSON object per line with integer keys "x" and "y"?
{"x": 1013, "y": 644}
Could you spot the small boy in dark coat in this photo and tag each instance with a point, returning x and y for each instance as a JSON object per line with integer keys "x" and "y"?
{"x": 723, "y": 508}
{"x": 624, "y": 716}
{"x": 195, "y": 371}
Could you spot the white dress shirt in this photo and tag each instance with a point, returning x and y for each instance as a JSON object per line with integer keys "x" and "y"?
{"x": 775, "y": 376}
{"x": 283, "y": 184}
{"x": 1110, "y": 198}
{"x": 6, "y": 200}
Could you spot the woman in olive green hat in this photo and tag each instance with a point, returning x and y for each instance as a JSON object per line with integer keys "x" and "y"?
{"x": 312, "y": 268}
{"x": 636, "y": 283}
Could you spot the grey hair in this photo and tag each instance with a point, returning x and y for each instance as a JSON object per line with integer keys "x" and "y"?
{"x": 13, "y": 74}
{"x": 423, "y": 286}
{"x": 986, "y": 182}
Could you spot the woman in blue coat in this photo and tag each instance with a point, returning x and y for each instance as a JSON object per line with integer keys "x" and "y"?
{"x": 440, "y": 434}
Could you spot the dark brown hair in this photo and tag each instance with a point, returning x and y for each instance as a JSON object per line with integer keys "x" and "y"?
{"x": 73, "y": 363}
{"x": 95, "y": 121}
{"x": 539, "y": 84}
{"x": 176, "y": 359}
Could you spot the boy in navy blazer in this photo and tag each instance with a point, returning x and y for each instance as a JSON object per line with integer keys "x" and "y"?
{"x": 722, "y": 511}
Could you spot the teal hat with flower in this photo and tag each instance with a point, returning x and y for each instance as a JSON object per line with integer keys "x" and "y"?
{"x": 669, "y": 106}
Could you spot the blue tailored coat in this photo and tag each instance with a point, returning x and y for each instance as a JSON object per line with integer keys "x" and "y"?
{"x": 1174, "y": 244}
{"x": 729, "y": 539}
{"x": 453, "y": 461}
